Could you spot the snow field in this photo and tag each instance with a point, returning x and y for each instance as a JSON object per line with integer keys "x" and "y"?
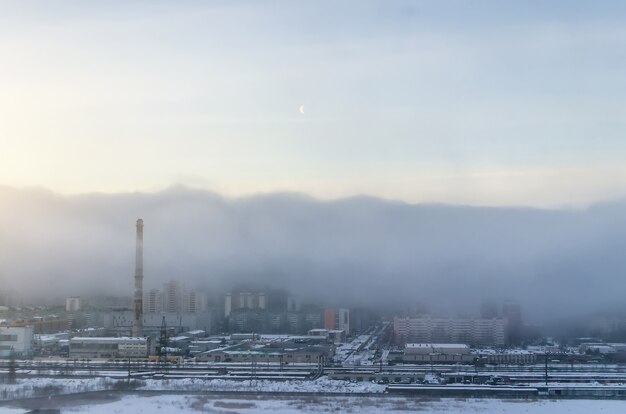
{"x": 182, "y": 404}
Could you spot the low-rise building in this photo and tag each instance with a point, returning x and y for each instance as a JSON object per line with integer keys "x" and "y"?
{"x": 505, "y": 356}
{"x": 16, "y": 341}
{"x": 200, "y": 346}
{"x": 415, "y": 349}
{"x": 439, "y": 353}
{"x": 122, "y": 347}
{"x": 336, "y": 336}
{"x": 436, "y": 353}
{"x": 181, "y": 342}
{"x": 120, "y": 322}
{"x": 278, "y": 351}
{"x": 318, "y": 332}
{"x": 597, "y": 348}
{"x": 49, "y": 344}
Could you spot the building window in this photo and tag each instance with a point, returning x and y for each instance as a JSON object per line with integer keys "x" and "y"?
{"x": 8, "y": 338}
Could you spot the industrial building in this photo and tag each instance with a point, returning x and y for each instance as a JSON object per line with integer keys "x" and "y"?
{"x": 16, "y": 341}
{"x": 41, "y": 324}
{"x": 94, "y": 347}
{"x": 444, "y": 353}
{"x": 436, "y": 353}
{"x": 506, "y": 356}
{"x": 303, "y": 350}
{"x": 199, "y": 346}
{"x": 120, "y": 322}
{"x": 335, "y": 336}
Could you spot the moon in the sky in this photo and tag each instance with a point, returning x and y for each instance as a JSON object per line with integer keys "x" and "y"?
{"x": 301, "y": 109}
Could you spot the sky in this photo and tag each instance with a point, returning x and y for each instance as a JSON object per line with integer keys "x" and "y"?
{"x": 469, "y": 102}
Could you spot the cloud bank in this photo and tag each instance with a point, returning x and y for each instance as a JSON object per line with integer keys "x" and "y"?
{"x": 353, "y": 251}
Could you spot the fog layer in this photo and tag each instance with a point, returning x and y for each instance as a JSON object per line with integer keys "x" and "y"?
{"x": 355, "y": 251}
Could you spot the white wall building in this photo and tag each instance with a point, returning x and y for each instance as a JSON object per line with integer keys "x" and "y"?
{"x": 122, "y": 347}
{"x": 436, "y": 349}
{"x": 195, "y": 302}
{"x": 293, "y": 304}
{"x": 73, "y": 304}
{"x": 172, "y": 297}
{"x": 153, "y": 301}
{"x": 120, "y": 322}
{"x": 445, "y": 330}
{"x": 239, "y": 300}
{"x": 343, "y": 319}
{"x": 16, "y": 341}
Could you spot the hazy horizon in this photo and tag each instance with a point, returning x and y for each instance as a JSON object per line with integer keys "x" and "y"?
{"x": 378, "y": 159}
{"x": 361, "y": 151}
{"x": 359, "y": 250}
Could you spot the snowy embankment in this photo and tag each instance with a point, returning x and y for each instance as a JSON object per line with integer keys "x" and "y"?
{"x": 320, "y": 385}
{"x": 37, "y": 387}
{"x": 188, "y": 404}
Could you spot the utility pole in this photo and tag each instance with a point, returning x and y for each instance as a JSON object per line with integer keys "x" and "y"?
{"x": 254, "y": 364}
{"x": 12, "y": 375}
{"x": 546, "y": 368}
{"x": 162, "y": 348}
{"x": 252, "y": 356}
{"x": 320, "y": 365}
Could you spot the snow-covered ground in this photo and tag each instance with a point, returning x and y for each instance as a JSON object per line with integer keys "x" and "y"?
{"x": 322, "y": 384}
{"x": 37, "y": 387}
{"x": 360, "y": 358}
{"x": 356, "y": 351}
{"x": 181, "y": 404}
{"x": 33, "y": 387}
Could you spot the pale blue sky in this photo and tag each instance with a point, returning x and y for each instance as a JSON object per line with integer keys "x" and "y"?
{"x": 449, "y": 101}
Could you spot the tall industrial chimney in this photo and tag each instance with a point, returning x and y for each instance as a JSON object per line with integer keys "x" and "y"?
{"x": 138, "y": 301}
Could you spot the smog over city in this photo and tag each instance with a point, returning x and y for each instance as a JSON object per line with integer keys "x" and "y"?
{"x": 359, "y": 250}
{"x": 294, "y": 202}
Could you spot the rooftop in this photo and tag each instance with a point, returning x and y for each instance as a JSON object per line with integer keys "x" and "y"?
{"x": 179, "y": 338}
{"x": 109, "y": 339}
{"x": 436, "y": 346}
